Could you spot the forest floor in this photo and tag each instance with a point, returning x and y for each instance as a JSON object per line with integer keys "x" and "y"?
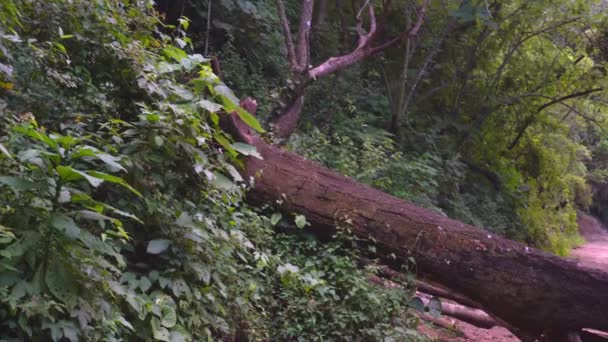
{"x": 593, "y": 254}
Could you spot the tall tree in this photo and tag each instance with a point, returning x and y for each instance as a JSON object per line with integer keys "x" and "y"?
{"x": 370, "y": 42}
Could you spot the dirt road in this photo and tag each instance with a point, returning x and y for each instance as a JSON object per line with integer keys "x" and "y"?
{"x": 594, "y": 253}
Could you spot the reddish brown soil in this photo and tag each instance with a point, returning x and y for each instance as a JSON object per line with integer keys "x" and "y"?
{"x": 594, "y": 253}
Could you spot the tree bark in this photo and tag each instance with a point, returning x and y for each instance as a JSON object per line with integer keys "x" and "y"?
{"x": 529, "y": 289}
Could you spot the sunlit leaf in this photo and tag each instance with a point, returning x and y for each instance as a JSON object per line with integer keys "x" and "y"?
{"x": 222, "y": 182}
{"x": 115, "y": 180}
{"x": 300, "y": 221}
{"x": 236, "y": 176}
{"x": 209, "y": 105}
{"x": 249, "y": 119}
{"x": 5, "y": 151}
{"x": 275, "y": 218}
{"x": 37, "y": 135}
{"x": 157, "y": 246}
{"x": 247, "y": 150}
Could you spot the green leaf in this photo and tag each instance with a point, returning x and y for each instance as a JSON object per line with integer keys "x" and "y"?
{"x": 69, "y": 174}
{"x": 65, "y": 225}
{"x": 84, "y": 151}
{"x": 125, "y": 323}
{"x": 145, "y": 284}
{"x": 275, "y": 218}
{"x": 179, "y": 336}
{"x": 120, "y": 212}
{"x": 236, "y": 176}
{"x": 17, "y": 184}
{"x": 93, "y": 215}
{"x": 110, "y": 161}
{"x": 159, "y": 332}
{"x": 115, "y": 180}
{"x": 37, "y": 135}
{"x": 301, "y": 221}
{"x": 65, "y": 141}
{"x": 168, "y": 316}
{"x": 247, "y": 150}
{"x": 5, "y": 151}
{"x": 185, "y": 220}
{"x": 157, "y": 246}
{"x": 184, "y": 93}
{"x": 174, "y": 52}
{"x": 229, "y": 100}
{"x": 209, "y": 106}
{"x": 222, "y": 182}
{"x": 60, "y": 282}
{"x": 250, "y": 120}
{"x": 222, "y": 140}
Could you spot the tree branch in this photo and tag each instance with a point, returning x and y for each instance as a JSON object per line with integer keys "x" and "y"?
{"x": 284, "y": 123}
{"x": 530, "y": 120}
{"x": 291, "y": 52}
{"x": 520, "y": 42}
{"x": 303, "y": 47}
{"x": 364, "y": 48}
{"x": 567, "y": 97}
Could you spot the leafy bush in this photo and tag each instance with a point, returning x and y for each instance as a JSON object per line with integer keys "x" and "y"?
{"x": 372, "y": 159}
{"x": 323, "y": 295}
{"x": 121, "y": 208}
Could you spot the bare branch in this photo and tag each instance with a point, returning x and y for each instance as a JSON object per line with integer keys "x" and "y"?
{"x": 572, "y": 109}
{"x": 358, "y": 17}
{"x": 583, "y": 115}
{"x": 421, "y": 14}
{"x": 530, "y": 120}
{"x": 406, "y": 34}
{"x": 303, "y": 47}
{"x": 364, "y": 48}
{"x": 421, "y": 72}
{"x": 291, "y": 52}
{"x": 567, "y": 97}
{"x": 286, "y": 120}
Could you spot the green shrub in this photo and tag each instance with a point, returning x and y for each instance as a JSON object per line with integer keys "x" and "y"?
{"x": 121, "y": 207}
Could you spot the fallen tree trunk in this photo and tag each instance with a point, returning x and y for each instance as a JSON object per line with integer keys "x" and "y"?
{"x": 466, "y": 314}
{"x": 529, "y": 289}
{"x": 472, "y": 316}
{"x": 425, "y": 286}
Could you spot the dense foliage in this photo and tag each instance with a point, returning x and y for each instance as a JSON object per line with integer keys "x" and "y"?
{"x": 121, "y": 207}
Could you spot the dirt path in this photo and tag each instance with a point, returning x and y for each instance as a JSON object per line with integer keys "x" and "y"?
{"x": 594, "y": 253}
